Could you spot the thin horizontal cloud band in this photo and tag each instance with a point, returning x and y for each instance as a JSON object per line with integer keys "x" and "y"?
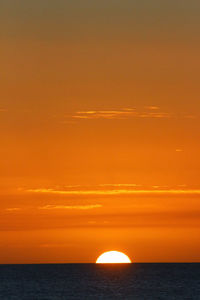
{"x": 76, "y": 207}
{"x": 126, "y": 113}
{"x": 115, "y": 192}
{"x": 120, "y": 114}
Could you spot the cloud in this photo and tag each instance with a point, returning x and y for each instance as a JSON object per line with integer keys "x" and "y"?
{"x": 146, "y": 112}
{"x": 104, "y": 114}
{"x": 119, "y": 185}
{"x": 124, "y": 113}
{"x": 114, "y": 192}
{"x": 79, "y": 207}
{"x": 152, "y": 107}
{"x": 11, "y": 209}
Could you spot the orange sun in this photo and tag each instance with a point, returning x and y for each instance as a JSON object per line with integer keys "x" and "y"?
{"x": 113, "y": 257}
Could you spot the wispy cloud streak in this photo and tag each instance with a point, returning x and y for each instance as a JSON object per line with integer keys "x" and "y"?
{"x": 124, "y": 113}
{"x": 76, "y": 207}
{"x": 117, "y": 192}
{"x": 147, "y": 112}
{"x": 12, "y": 209}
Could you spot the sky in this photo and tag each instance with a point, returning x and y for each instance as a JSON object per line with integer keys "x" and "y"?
{"x": 99, "y": 126}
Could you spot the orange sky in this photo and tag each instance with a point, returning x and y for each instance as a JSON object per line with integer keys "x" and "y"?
{"x": 99, "y": 126}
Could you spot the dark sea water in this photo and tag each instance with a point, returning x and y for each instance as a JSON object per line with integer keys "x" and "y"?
{"x": 90, "y": 281}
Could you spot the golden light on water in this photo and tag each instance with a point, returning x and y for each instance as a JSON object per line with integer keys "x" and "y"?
{"x": 113, "y": 257}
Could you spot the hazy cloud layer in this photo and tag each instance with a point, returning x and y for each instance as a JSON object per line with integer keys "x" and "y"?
{"x": 147, "y": 112}
{"x": 118, "y": 191}
{"x": 124, "y": 113}
{"x": 81, "y": 207}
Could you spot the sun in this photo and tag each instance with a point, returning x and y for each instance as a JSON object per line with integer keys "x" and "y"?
{"x": 113, "y": 257}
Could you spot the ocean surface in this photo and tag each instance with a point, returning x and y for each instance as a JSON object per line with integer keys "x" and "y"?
{"x": 91, "y": 281}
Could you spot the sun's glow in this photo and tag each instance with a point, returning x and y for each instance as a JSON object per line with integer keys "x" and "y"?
{"x": 113, "y": 257}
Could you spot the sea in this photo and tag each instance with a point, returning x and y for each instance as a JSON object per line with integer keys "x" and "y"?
{"x": 96, "y": 281}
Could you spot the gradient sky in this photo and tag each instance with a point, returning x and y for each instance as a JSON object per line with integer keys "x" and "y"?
{"x": 99, "y": 126}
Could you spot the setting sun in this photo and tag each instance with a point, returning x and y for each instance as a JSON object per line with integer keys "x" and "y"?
{"x": 113, "y": 257}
